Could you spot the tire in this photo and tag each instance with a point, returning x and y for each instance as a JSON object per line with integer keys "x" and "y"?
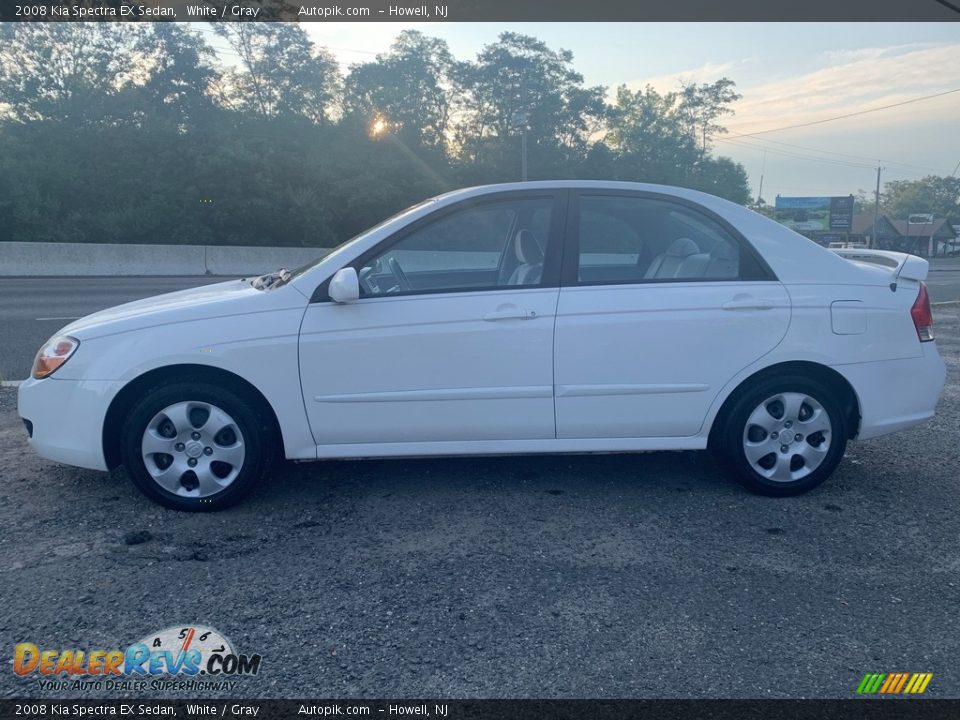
{"x": 783, "y": 436}
{"x": 196, "y": 447}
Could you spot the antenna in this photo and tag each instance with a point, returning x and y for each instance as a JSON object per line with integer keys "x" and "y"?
{"x": 893, "y": 285}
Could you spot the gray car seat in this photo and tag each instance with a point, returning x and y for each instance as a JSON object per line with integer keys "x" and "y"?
{"x": 668, "y": 263}
{"x": 530, "y": 256}
{"x": 724, "y": 261}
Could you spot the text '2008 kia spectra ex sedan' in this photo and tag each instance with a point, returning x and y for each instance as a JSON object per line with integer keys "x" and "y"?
{"x": 538, "y": 317}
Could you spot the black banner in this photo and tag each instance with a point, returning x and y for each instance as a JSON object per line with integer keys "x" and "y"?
{"x": 888, "y": 709}
{"x": 481, "y": 10}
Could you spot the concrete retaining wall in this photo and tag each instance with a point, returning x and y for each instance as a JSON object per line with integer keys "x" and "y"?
{"x": 102, "y": 259}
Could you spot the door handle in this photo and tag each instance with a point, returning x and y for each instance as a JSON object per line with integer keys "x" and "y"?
{"x": 748, "y": 303}
{"x": 510, "y": 313}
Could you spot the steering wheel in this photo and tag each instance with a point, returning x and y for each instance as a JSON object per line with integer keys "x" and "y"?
{"x": 399, "y": 274}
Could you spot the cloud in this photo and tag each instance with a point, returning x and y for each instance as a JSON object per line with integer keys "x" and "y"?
{"x": 855, "y": 81}
{"x": 359, "y": 42}
{"x": 706, "y": 73}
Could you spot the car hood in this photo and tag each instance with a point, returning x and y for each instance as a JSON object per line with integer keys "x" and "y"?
{"x": 218, "y": 300}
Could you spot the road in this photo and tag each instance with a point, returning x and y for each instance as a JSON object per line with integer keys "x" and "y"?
{"x": 539, "y": 576}
{"x": 33, "y": 309}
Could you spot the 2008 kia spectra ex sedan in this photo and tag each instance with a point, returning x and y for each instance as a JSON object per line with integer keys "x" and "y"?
{"x": 525, "y": 318}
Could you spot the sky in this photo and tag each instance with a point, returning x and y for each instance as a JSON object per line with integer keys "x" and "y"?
{"x": 788, "y": 73}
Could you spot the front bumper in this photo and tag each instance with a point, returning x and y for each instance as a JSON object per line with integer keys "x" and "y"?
{"x": 67, "y": 418}
{"x": 896, "y": 394}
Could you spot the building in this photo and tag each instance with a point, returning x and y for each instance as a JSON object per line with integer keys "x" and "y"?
{"x": 927, "y": 238}
{"x": 923, "y": 236}
{"x": 861, "y": 231}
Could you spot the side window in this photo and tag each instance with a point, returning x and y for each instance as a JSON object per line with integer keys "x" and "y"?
{"x": 631, "y": 240}
{"x": 497, "y": 244}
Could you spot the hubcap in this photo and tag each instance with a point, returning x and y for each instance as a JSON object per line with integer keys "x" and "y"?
{"x": 787, "y": 437}
{"x": 193, "y": 449}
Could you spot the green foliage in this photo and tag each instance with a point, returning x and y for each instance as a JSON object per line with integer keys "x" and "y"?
{"x": 137, "y": 133}
{"x": 516, "y": 83}
{"x": 407, "y": 89}
{"x": 932, "y": 194}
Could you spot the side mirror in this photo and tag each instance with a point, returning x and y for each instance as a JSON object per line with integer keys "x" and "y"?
{"x": 344, "y": 286}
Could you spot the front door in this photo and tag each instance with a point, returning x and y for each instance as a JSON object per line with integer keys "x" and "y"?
{"x": 452, "y": 337}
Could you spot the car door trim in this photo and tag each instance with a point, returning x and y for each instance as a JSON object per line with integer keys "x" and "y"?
{"x": 629, "y": 389}
{"x": 441, "y": 394}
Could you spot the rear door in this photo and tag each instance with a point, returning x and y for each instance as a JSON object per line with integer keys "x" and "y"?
{"x": 661, "y": 305}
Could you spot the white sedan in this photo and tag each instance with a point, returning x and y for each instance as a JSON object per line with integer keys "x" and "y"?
{"x": 543, "y": 317}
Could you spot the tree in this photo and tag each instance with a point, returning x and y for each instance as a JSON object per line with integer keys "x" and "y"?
{"x": 283, "y": 73}
{"x": 646, "y": 132}
{"x": 519, "y": 82}
{"x": 181, "y": 72}
{"x": 649, "y": 133}
{"x": 724, "y": 177}
{"x": 701, "y": 106}
{"x": 66, "y": 71}
{"x": 932, "y": 194}
{"x": 407, "y": 89}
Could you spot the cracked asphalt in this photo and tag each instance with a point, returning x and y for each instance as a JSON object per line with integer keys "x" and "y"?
{"x": 542, "y": 576}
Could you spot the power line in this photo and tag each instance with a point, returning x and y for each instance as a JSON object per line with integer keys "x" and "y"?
{"x": 849, "y": 115}
{"x": 871, "y": 160}
{"x": 798, "y": 156}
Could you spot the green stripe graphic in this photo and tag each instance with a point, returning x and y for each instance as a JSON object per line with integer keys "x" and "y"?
{"x": 871, "y": 683}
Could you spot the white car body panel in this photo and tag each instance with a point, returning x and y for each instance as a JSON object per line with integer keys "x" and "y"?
{"x": 229, "y": 326}
{"x": 598, "y": 369}
{"x": 647, "y": 360}
{"x": 435, "y": 367}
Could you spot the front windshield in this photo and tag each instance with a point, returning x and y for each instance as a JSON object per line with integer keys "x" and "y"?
{"x": 313, "y": 263}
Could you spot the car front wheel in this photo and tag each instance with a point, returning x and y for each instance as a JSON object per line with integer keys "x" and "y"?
{"x": 195, "y": 447}
{"x": 783, "y": 436}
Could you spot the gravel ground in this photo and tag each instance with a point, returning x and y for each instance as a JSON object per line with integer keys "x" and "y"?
{"x": 592, "y": 576}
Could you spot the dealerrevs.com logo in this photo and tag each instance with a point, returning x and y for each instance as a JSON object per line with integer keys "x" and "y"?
{"x": 188, "y": 657}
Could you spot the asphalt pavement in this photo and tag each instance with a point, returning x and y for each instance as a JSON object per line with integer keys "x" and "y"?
{"x": 609, "y": 576}
{"x": 33, "y": 309}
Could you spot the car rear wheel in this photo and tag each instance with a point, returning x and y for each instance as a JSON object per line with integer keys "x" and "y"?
{"x": 195, "y": 447}
{"x": 783, "y": 436}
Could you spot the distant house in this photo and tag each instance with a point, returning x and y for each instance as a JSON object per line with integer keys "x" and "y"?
{"x": 861, "y": 231}
{"x": 925, "y": 239}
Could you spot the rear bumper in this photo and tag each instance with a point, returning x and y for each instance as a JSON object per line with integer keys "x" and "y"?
{"x": 66, "y": 419}
{"x": 896, "y": 394}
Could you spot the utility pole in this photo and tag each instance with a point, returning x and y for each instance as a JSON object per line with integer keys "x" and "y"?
{"x": 763, "y": 169}
{"x": 876, "y": 210}
{"x": 523, "y": 155}
{"x": 520, "y": 120}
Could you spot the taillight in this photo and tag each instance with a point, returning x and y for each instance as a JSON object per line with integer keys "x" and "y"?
{"x": 922, "y": 316}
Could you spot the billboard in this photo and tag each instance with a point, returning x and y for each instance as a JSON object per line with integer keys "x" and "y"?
{"x": 815, "y": 213}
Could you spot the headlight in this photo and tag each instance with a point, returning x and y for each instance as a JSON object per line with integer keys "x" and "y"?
{"x": 55, "y": 352}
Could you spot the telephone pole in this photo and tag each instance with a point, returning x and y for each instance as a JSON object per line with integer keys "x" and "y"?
{"x": 876, "y": 210}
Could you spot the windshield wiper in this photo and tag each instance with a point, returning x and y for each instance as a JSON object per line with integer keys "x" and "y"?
{"x": 273, "y": 279}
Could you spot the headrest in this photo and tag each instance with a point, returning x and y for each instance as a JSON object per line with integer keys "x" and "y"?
{"x": 725, "y": 251}
{"x": 682, "y": 247}
{"x": 527, "y": 248}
